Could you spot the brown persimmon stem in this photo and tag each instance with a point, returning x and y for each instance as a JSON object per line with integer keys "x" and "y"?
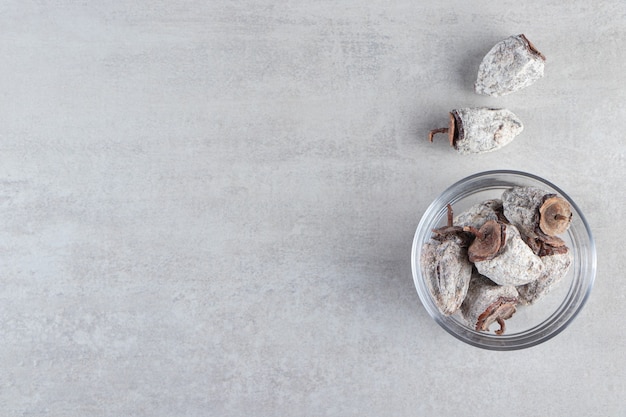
{"x": 502, "y": 326}
{"x": 450, "y": 215}
{"x": 473, "y": 231}
{"x": 560, "y": 217}
{"x": 433, "y": 132}
{"x": 532, "y": 47}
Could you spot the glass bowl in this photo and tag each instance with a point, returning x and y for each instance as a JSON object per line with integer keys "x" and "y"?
{"x": 532, "y": 324}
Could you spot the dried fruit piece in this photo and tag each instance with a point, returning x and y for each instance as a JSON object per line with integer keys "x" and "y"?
{"x": 512, "y": 64}
{"x": 486, "y": 303}
{"x": 500, "y": 254}
{"x": 536, "y": 212}
{"x": 480, "y": 213}
{"x": 446, "y": 266}
{"x": 447, "y": 273}
{"x": 555, "y": 268}
{"x": 480, "y": 130}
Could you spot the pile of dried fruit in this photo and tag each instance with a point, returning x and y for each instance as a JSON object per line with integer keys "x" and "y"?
{"x": 497, "y": 255}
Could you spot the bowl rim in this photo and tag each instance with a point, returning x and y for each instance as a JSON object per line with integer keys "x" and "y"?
{"x": 520, "y": 339}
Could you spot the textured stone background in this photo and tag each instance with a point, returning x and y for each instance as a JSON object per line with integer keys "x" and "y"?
{"x": 208, "y": 206}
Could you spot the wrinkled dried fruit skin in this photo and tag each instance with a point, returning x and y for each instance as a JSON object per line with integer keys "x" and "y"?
{"x": 544, "y": 247}
{"x": 511, "y": 65}
{"x": 486, "y": 303}
{"x": 515, "y": 264}
{"x": 481, "y": 130}
{"x": 522, "y": 208}
{"x": 480, "y": 213}
{"x": 447, "y": 271}
{"x": 555, "y": 268}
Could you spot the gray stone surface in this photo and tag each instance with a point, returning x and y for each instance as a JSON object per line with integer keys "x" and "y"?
{"x": 208, "y": 207}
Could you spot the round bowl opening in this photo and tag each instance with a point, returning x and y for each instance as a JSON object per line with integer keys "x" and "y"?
{"x": 532, "y": 324}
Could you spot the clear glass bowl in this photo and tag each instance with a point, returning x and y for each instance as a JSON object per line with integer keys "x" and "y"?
{"x": 530, "y": 325}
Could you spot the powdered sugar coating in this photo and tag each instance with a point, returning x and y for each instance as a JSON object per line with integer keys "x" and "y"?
{"x": 448, "y": 272}
{"x": 479, "y": 214}
{"x": 485, "y": 130}
{"x": 509, "y": 66}
{"x": 521, "y": 207}
{"x": 481, "y": 294}
{"x": 555, "y": 268}
{"x": 516, "y": 264}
